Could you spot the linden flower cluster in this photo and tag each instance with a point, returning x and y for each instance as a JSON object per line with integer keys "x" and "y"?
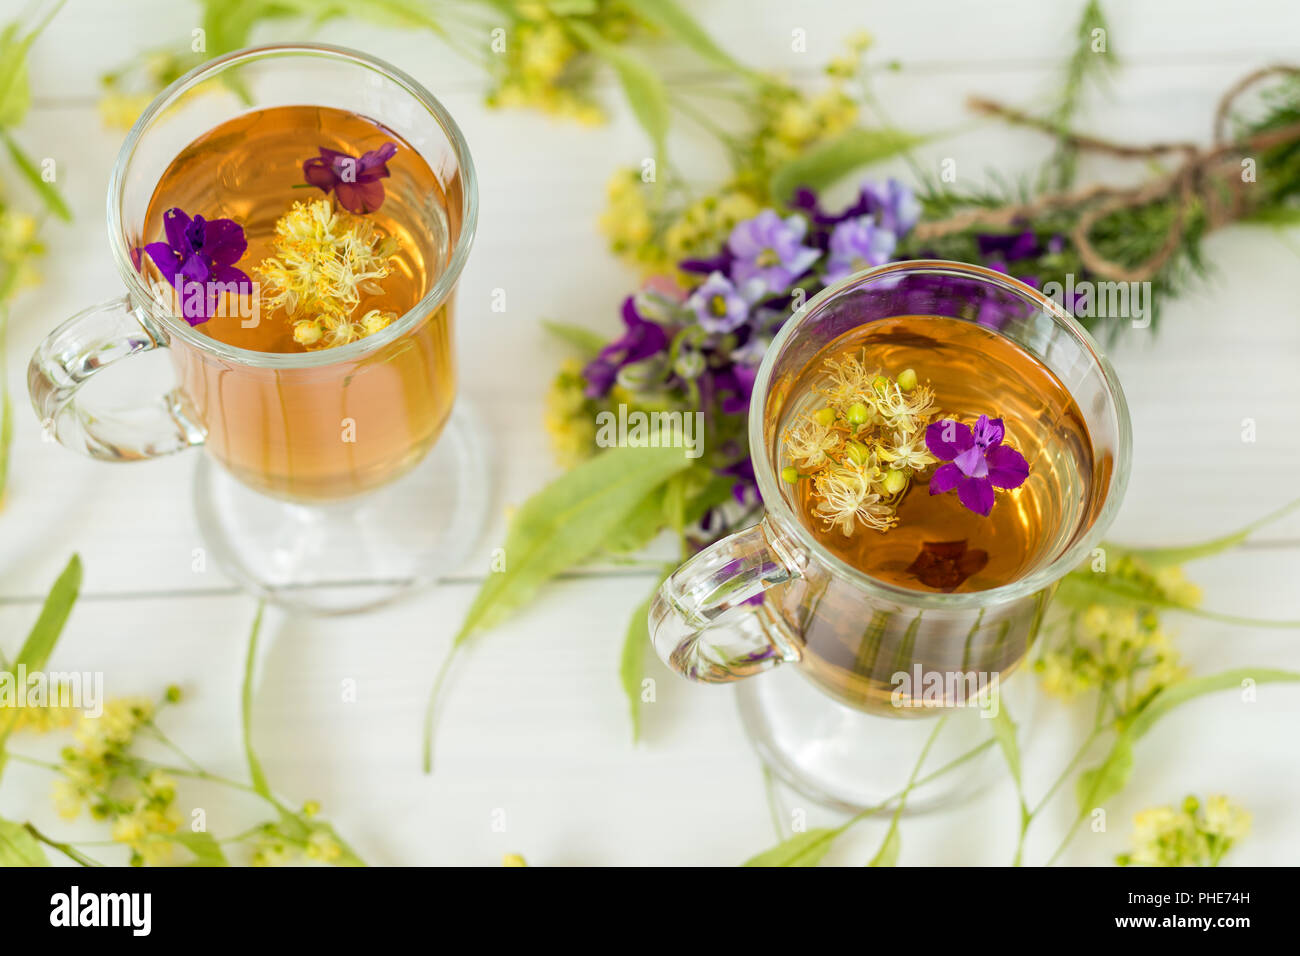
{"x": 861, "y": 450}
{"x": 1121, "y": 647}
{"x": 541, "y": 66}
{"x": 99, "y": 771}
{"x": 325, "y": 258}
{"x": 1190, "y": 835}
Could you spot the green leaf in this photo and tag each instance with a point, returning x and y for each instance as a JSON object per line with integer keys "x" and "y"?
{"x": 802, "y": 849}
{"x": 1163, "y": 557}
{"x": 643, "y": 88}
{"x": 641, "y": 525}
{"x": 44, "y": 635}
{"x": 1100, "y": 783}
{"x": 670, "y": 17}
{"x": 631, "y": 669}
{"x": 255, "y": 773}
{"x": 584, "y": 340}
{"x": 567, "y": 522}
{"x": 15, "y": 92}
{"x": 206, "y": 850}
{"x": 49, "y": 195}
{"x": 559, "y": 527}
{"x": 1004, "y": 732}
{"x": 825, "y": 165}
{"x": 887, "y": 855}
{"x": 18, "y": 847}
{"x": 1082, "y": 588}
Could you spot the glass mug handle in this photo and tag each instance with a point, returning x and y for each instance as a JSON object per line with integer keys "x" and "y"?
{"x": 704, "y": 623}
{"x": 88, "y": 342}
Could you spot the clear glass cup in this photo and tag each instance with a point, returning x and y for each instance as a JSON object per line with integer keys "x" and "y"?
{"x": 287, "y": 504}
{"x": 772, "y": 594}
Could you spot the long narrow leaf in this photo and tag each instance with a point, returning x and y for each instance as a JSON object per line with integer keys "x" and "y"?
{"x": 43, "y": 636}
{"x": 827, "y": 164}
{"x": 673, "y": 19}
{"x": 255, "y": 773}
{"x": 49, "y": 195}
{"x": 643, "y": 88}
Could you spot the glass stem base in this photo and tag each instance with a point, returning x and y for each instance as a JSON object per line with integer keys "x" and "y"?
{"x": 357, "y": 554}
{"x": 850, "y": 760}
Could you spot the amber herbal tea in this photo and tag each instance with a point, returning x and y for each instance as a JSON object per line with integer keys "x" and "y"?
{"x": 936, "y": 455}
{"x": 304, "y": 229}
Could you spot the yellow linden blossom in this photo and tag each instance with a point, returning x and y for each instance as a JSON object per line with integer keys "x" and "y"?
{"x": 18, "y": 248}
{"x": 538, "y": 67}
{"x": 705, "y": 225}
{"x": 323, "y": 847}
{"x": 1112, "y": 646}
{"x": 54, "y": 714}
{"x": 324, "y": 259}
{"x": 907, "y": 451}
{"x": 569, "y": 416}
{"x": 850, "y": 494}
{"x": 810, "y": 443}
{"x": 1190, "y": 835}
{"x": 627, "y": 223}
{"x": 513, "y": 859}
{"x": 869, "y": 420}
{"x": 905, "y": 411}
{"x": 145, "y": 828}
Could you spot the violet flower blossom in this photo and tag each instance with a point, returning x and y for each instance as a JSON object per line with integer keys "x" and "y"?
{"x": 355, "y": 180}
{"x": 977, "y": 460}
{"x": 858, "y": 244}
{"x": 198, "y": 259}
{"x": 641, "y": 340}
{"x": 770, "y": 248}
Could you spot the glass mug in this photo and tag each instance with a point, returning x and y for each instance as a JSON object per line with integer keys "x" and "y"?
{"x": 772, "y": 594}
{"x": 291, "y": 500}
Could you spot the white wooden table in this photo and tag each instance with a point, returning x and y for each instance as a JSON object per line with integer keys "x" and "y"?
{"x": 536, "y": 723}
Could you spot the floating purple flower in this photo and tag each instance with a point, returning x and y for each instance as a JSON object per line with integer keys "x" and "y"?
{"x": 719, "y": 305}
{"x": 641, "y": 340}
{"x": 354, "y": 180}
{"x": 770, "y": 248}
{"x": 858, "y": 244}
{"x": 198, "y": 260}
{"x": 977, "y": 460}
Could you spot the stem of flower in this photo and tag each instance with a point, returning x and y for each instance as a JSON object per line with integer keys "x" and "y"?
{"x": 67, "y": 849}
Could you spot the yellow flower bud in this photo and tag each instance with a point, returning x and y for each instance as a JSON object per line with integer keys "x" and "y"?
{"x": 907, "y": 379}
{"x": 307, "y": 332}
{"x": 824, "y": 416}
{"x": 895, "y": 481}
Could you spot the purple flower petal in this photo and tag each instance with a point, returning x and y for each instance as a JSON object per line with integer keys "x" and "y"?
{"x": 972, "y": 463}
{"x": 1007, "y": 467}
{"x": 223, "y": 241}
{"x": 196, "y": 268}
{"x": 945, "y": 479}
{"x": 234, "y": 279}
{"x": 947, "y": 439}
{"x": 360, "y": 197}
{"x": 168, "y": 262}
{"x": 989, "y": 432}
{"x": 317, "y": 173}
{"x": 976, "y": 494}
{"x": 175, "y": 225}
